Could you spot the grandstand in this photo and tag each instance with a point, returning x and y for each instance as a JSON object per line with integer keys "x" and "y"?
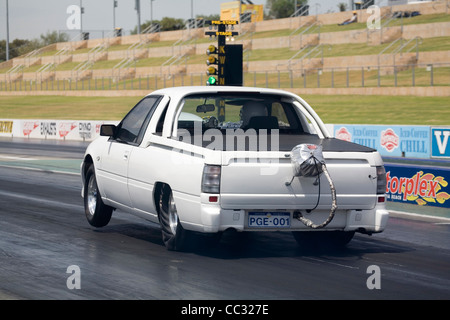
{"x": 296, "y": 52}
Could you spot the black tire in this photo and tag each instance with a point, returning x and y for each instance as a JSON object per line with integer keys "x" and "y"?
{"x": 323, "y": 239}
{"x": 97, "y": 213}
{"x": 174, "y": 236}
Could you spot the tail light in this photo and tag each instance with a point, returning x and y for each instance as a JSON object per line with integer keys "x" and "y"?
{"x": 211, "y": 179}
{"x": 381, "y": 180}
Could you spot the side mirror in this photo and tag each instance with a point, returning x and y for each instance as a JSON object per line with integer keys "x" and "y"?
{"x": 107, "y": 130}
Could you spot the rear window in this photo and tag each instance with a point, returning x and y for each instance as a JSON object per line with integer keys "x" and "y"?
{"x": 239, "y": 111}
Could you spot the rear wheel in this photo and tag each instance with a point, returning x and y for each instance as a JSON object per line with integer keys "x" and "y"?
{"x": 323, "y": 239}
{"x": 97, "y": 213}
{"x": 174, "y": 236}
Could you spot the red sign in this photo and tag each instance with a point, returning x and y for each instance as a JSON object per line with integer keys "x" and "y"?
{"x": 343, "y": 134}
{"x": 29, "y": 126}
{"x": 389, "y": 140}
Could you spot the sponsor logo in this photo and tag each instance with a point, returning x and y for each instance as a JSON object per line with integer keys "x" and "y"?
{"x": 85, "y": 130}
{"x": 48, "y": 128}
{"x": 65, "y": 128}
{"x": 440, "y": 142}
{"x": 344, "y": 134}
{"x": 389, "y": 140}
{"x": 422, "y": 188}
{"x": 6, "y": 126}
{"x": 29, "y": 126}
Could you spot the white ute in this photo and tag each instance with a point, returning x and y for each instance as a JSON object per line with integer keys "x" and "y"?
{"x": 202, "y": 160}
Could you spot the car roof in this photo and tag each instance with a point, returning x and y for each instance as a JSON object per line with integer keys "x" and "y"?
{"x": 179, "y": 92}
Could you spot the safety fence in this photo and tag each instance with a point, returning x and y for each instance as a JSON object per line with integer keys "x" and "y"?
{"x": 408, "y": 75}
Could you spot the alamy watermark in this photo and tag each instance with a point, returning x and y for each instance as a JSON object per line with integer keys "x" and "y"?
{"x": 73, "y": 22}
{"x": 74, "y": 280}
{"x": 374, "y": 280}
{"x": 374, "y": 20}
{"x": 244, "y": 146}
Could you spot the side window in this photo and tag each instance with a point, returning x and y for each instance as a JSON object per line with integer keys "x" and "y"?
{"x": 278, "y": 111}
{"x": 132, "y": 127}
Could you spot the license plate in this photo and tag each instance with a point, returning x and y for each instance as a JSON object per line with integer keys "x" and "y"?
{"x": 269, "y": 219}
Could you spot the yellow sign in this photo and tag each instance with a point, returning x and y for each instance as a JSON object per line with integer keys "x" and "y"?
{"x": 6, "y": 126}
{"x": 233, "y": 9}
{"x": 224, "y": 33}
{"x": 224, "y": 22}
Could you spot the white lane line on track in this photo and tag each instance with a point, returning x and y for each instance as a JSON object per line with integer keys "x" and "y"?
{"x": 40, "y": 169}
{"x": 331, "y": 262}
{"x": 40, "y": 200}
{"x": 16, "y": 158}
{"x": 436, "y": 219}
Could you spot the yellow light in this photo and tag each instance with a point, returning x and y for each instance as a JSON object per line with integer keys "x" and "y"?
{"x": 211, "y": 60}
{"x": 211, "y": 70}
{"x": 211, "y": 50}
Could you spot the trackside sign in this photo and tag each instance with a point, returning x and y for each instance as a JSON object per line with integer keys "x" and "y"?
{"x": 81, "y": 130}
{"x": 440, "y": 142}
{"x": 424, "y": 186}
{"x": 390, "y": 141}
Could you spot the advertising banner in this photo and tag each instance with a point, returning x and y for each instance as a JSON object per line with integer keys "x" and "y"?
{"x": 6, "y": 128}
{"x": 390, "y": 141}
{"x": 81, "y": 130}
{"x": 440, "y": 145}
{"x": 424, "y": 186}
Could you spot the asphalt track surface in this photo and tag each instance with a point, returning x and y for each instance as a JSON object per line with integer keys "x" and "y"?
{"x": 44, "y": 233}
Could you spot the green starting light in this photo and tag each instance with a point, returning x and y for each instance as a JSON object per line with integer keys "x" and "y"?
{"x": 211, "y": 81}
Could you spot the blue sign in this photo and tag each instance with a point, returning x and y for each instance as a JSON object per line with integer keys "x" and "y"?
{"x": 440, "y": 142}
{"x": 424, "y": 186}
{"x": 390, "y": 141}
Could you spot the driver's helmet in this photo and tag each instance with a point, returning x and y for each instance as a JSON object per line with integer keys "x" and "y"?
{"x": 252, "y": 109}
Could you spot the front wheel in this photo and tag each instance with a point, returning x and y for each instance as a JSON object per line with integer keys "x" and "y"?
{"x": 97, "y": 213}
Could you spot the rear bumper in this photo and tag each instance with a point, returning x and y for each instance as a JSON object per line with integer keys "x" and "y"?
{"x": 215, "y": 219}
{"x": 368, "y": 221}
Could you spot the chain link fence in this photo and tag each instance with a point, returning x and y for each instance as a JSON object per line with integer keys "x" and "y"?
{"x": 436, "y": 74}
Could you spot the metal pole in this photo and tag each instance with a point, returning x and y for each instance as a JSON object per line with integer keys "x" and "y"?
{"x": 347, "y": 78}
{"x": 151, "y": 13}
{"x": 318, "y": 78}
{"x": 395, "y": 76}
{"x": 362, "y": 77}
{"x": 138, "y": 10}
{"x": 332, "y": 77}
{"x": 431, "y": 76}
{"x": 7, "y": 31}
{"x": 378, "y": 76}
{"x": 114, "y": 14}
{"x": 81, "y": 16}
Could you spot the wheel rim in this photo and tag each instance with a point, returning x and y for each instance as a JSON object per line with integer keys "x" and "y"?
{"x": 92, "y": 195}
{"x": 173, "y": 216}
